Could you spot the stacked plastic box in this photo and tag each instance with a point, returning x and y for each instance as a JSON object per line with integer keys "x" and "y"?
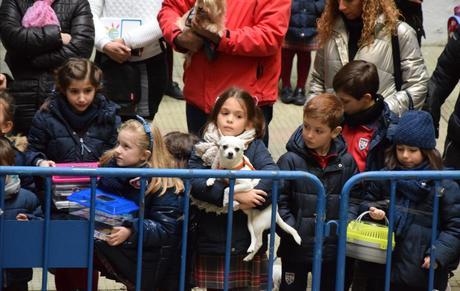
{"x": 110, "y": 210}
{"x": 64, "y": 186}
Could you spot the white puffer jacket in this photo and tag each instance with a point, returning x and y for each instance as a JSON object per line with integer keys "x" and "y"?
{"x": 334, "y": 55}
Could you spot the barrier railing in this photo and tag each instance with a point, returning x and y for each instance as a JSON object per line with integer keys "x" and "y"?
{"x": 70, "y": 243}
{"x": 393, "y": 177}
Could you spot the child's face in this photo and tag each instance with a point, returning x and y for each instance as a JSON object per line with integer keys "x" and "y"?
{"x": 409, "y": 156}
{"x": 317, "y": 135}
{"x": 80, "y": 94}
{"x": 5, "y": 125}
{"x": 232, "y": 118}
{"x": 352, "y": 105}
{"x": 128, "y": 153}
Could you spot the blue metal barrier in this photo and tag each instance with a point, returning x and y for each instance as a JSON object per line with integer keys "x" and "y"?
{"x": 393, "y": 176}
{"x": 72, "y": 242}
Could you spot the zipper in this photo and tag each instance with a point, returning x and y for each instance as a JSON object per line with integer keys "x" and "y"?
{"x": 83, "y": 147}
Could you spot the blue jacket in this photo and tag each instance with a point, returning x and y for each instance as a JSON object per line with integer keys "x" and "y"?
{"x": 51, "y": 137}
{"x": 25, "y": 202}
{"x": 413, "y": 215}
{"x": 211, "y": 232}
{"x": 162, "y": 221}
{"x": 302, "y": 24}
{"x": 298, "y": 198}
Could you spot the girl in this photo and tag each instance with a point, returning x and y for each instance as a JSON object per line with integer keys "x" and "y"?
{"x": 300, "y": 40}
{"x": 361, "y": 30}
{"x": 235, "y": 113}
{"x": 18, "y": 142}
{"x": 33, "y": 53}
{"x": 140, "y": 145}
{"x": 75, "y": 125}
{"x": 414, "y": 149}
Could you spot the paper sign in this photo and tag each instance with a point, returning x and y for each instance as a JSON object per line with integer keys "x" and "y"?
{"x": 116, "y": 27}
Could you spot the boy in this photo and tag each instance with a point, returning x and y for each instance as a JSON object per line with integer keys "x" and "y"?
{"x": 314, "y": 148}
{"x": 368, "y": 129}
{"x": 368, "y": 124}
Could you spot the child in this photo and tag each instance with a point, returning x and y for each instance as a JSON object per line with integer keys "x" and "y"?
{"x": 368, "y": 123}
{"x": 20, "y": 204}
{"x": 235, "y": 113}
{"x": 180, "y": 146}
{"x": 367, "y": 130}
{"x": 299, "y": 40}
{"x": 414, "y": 149}
{"x": 314, "y": 148}
{"x": 18, "y": 142}
{"x": 75, "y": 125}
{"x": 140, "y": 145}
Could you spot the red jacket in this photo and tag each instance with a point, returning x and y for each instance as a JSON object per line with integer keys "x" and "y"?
{"x": 248, "y": 55}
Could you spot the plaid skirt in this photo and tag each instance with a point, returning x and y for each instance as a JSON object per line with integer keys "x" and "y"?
{"x": 208, "y": 272}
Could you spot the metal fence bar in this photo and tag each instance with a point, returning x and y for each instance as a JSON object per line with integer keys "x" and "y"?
{"x": 2, "y": 223}
{"x": 434, "y": 234}
{"x": 184, "y": 244}
{"x": 140, "y": 238}
{"x": 47, "y": 225}
{"x": 391, "y": 222}
{"x": 271, "y": 246}
{"x": 92, "y": 210}
{"x": 228, "y": 245}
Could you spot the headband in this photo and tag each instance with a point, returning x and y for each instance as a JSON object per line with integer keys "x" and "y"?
{"x": 147, "y": 130}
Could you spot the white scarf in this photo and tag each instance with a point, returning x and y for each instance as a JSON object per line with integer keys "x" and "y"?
{"x": 208, "y": 149}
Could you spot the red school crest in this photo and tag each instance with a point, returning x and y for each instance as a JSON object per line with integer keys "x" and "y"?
{"x": 362, "y": 144}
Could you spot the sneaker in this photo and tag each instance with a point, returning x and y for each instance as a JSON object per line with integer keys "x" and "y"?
{"x": 174, "y": 91}
{"x": 299, "y": 97}
{"x": 286, "y": 95}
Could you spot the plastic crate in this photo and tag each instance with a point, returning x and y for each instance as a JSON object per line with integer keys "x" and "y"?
{"x": 367, "y": 241}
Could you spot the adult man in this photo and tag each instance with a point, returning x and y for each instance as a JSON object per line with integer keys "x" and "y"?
{"x": 247, "y": 54}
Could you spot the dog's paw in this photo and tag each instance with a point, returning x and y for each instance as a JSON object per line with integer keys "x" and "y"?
{"x": 210, "y": 181}
{"x": 249, "y": 257}
{"x": 251, "y": 248}
{"x": 297, "y": 238}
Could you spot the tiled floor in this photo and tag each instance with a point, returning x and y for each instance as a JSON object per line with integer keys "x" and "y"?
{"x": 286, "y": 118}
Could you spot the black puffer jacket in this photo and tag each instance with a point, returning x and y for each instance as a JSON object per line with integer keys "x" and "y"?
{"x": 302, "y": 24}
{"x": 51, "y": 137}
{"x": 161, "y": 237}
{"x": 297, "y": 203}
{"x": 33, "y": 53}
{"x": 443, "y": 81}
{"x": 211, "y": 234}
{"x": 413, "y": 217}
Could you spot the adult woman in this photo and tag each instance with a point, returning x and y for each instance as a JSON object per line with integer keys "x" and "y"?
{"x": 361, "y": 30}
{"x": 32, "y": 53}
{"x": 137, "y": 49}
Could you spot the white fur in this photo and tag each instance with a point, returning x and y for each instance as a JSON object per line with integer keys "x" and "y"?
{"x": 230, "y": 156}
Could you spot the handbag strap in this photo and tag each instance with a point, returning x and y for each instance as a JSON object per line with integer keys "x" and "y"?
{"x": 396, "y": 62}
{"x": 360, "y": 217}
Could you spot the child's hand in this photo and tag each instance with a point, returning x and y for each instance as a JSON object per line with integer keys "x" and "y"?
{"x": 426, "y": 263}
{"x": 250, "y": 199}
{"x": 22, "y": 217}
{"x": 46, "y": 163}
{"x": 376, "y": 213}
{"x": 136, "y": 183}
{"x": 118, "y": 235}
{"x": 2, "y": 82}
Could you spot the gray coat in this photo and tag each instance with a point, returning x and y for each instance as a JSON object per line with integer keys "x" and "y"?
{"x": 334, "y": 55}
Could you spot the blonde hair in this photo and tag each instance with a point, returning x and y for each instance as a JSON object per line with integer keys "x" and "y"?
{"x": 371, "y": 11}
{"x": 160, "y": 157}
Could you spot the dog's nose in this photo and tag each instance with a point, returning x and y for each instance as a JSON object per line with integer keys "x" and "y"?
{"x": 230, "y": 155}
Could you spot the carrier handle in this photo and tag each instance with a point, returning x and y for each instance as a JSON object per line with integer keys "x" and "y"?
{"x": 360, "y": 217}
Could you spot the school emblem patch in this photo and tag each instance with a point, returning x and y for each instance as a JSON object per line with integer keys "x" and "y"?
{"x": 289, "y": 278}
{"x": 362, "y": 144}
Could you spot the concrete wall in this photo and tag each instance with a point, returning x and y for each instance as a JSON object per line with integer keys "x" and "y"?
{"x": 436, "y": 13}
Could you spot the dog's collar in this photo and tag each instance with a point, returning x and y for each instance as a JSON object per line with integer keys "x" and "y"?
{"x": 241, "y": 165}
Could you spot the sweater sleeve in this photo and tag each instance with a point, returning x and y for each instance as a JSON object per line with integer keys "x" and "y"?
{"x": 101, "y": 38}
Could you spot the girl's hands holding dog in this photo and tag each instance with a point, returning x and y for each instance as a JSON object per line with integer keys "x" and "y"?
{"x": 118, "y": 236}
{"x": 189, "y": 40}
{"x": 250, "y": 199}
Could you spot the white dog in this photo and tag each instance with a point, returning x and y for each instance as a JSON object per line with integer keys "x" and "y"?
{"x": 231, "y": 157}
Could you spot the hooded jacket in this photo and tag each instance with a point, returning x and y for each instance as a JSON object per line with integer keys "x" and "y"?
{"x": 297, "y": 203}
{"x": 334, "y": 55}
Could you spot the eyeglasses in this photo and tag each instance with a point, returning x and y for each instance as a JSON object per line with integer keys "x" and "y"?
{"x": 147, "y": 130}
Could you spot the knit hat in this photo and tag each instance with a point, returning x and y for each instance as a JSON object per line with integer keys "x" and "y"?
{"x": 415, "y": 128}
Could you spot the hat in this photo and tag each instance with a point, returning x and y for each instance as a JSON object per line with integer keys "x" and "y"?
{"x": 415, "y": 128}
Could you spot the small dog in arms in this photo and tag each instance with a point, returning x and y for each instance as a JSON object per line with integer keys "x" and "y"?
{"x": 231, "y": 157}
